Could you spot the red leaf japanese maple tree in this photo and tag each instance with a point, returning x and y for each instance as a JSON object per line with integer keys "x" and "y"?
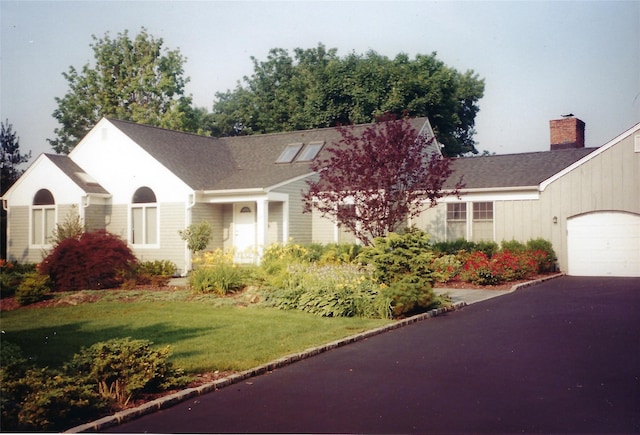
{"x": 372, "y": 183}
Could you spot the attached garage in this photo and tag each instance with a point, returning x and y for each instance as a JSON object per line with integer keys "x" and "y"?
{"x": 604, "y": 244}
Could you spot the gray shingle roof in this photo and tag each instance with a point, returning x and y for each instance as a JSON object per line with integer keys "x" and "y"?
{"x": 241, "y": 162}
{"x": 249, "y": 162}
{"x": 513, "y": 170}
{"x": 76, "y": 174}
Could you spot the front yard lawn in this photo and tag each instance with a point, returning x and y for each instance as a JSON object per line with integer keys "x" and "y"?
{"x": 205, "y": 333}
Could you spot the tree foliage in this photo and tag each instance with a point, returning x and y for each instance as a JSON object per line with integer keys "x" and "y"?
{"x": 317, "y": 88}
{"x": 372, "y": 183}
{"x": 132, "y": 79}
{"x": 10, "y": 158}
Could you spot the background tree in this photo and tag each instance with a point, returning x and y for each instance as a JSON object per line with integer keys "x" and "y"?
{"x": 10, "y": 159}
{"x": 132, "y": 79}
{"x": 317, "y": 88}
{"x": 372, "y": 183}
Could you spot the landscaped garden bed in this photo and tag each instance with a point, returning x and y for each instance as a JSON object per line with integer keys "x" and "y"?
{"x": 63, "y": 344}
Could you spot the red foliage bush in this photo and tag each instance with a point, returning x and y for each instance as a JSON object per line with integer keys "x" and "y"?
{"x": 511, "y": 266}
{"x": 96, "y": 260}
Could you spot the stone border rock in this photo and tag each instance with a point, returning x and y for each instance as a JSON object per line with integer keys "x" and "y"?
{"x": 180, "y": 396}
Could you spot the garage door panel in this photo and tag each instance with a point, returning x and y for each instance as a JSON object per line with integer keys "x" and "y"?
{"x": 604, "y": 244}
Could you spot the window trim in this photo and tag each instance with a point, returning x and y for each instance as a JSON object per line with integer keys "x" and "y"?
{"x": 144, "y": 207}
{"x": 47, "y": 238}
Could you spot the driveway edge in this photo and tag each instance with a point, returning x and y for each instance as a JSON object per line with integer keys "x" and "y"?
{"x": 180, "y": 396}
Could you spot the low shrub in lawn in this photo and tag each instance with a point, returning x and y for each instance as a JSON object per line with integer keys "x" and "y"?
{"x": 155, "y": 273}
{"x": 11, "y": 275}
{"x": 33, "y": 288}
{"x": 100, "y": 378}
{"x": 122, "y": 369}
{"x": 216, "y": 272}
{"x": 42, "y": 399}
{"x": 96, "y": 260}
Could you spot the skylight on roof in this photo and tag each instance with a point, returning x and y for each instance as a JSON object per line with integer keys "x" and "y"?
{"x": 289, "y": 153}
{"x": 310, "y": 152}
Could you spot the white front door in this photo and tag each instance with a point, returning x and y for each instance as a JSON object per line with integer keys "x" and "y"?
{"x": 244, "y": 227}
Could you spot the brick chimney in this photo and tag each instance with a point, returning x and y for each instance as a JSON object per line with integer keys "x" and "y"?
{"x": 566, "y": 133}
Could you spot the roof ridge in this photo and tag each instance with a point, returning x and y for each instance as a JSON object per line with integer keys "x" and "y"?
{"x": 116, "y": 120}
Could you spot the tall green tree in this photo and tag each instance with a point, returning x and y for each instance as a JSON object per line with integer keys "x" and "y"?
{"x": 316, "y": 88}
{"x": 10, "y": 160}
{"x": 131, "y": 79}
{"x": 10, "y": 157}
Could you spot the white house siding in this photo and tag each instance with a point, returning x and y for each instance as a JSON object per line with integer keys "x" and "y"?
{"x": 610, "y": 181}
{"x": 519, "y": 220}
{"x": 18, "y": 236}
{"x": 274, "y": 230}
{"x": 300, "y": 224}
{"x": 117, "y": 220}
{"x": 95, "y": 217}
{"x": 213, "y": 213}
{"x": 324, "y": 230}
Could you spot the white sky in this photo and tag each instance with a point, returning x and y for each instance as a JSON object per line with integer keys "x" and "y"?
{"x": 539, "y": 59}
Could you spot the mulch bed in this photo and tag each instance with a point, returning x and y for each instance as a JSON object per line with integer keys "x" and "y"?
{"x": 503, "y": 286}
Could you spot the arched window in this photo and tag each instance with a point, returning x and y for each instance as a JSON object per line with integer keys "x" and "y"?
{"x": 144, "y": 217}
{"x": 43, "y": 218}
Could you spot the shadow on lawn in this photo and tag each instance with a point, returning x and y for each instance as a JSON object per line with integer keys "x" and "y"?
{"x": 53, "y": 346}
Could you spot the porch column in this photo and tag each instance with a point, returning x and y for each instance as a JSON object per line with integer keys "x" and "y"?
{"x": 262, "y": 225}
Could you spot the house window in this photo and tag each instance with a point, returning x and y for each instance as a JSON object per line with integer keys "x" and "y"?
{"x": 310, "y": 152}
{"x": 289, "y": 153}
{"x": 456, "y": 220}
{"x": 482, "y": 228}
{"x": 144, "y": 217}
{"x": 43, "y": 218}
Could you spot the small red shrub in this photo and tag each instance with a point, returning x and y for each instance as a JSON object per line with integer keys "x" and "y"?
{"x": 96, "y": 260}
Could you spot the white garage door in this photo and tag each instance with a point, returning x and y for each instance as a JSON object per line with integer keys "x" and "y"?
{"x": 604, "y": 244}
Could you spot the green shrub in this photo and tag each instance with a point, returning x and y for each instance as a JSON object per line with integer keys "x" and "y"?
{"x": 277, "y": 259}
{"x": 445, "y": 268}
{"x": 122, "y": 369}
{"x": 544, "y": 254}
{"x": 397, "y": 255}
{"x": 409, "y": 294}
{"x": 487, "y": 247}
{"x": 513, "y": 246}
{"x": 54, "y": 401}
{"x": 461, "y": 245}
{"x": 197, "y": 236}
{"x": 336, "y": 253}
{"x": 40, "y": 399}
{"x": 217, "y": 273}
{"x": 33, "y": 288}
{"x": 402, "y": 263}
{"x": 333, "y": 290}
{"x": 11, "y": 275}
{"x": 453, "y": 247}
{"x": 157, "y": 268}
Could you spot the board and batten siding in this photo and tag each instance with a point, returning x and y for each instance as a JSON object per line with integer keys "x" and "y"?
{"x": 300, "y": 224}
{"x": 610, "y": 181}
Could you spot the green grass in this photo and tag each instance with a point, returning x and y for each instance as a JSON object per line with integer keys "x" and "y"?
{"x": 205, "y": 334}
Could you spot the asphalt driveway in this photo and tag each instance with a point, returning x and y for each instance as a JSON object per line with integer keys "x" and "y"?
{"x": 562, "y": 356}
